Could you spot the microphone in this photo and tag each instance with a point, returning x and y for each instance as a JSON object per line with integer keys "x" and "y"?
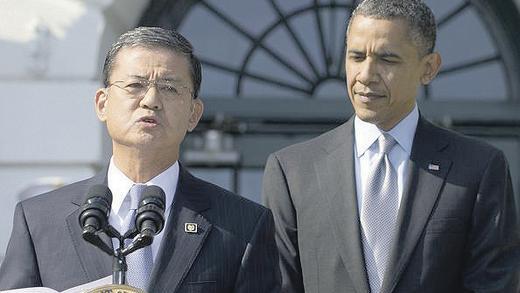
{"x": 93, "y": 217}
{"x": 94, "y": 212}
{"x": 149, "y": 219}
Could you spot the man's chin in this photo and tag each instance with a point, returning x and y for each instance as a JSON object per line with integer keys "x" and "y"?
{"x": 140, "y": 140}
{"x": 368, "y": 116}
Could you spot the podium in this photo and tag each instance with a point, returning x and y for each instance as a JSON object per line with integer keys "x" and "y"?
{"x": 98, "y": 286}
{"x": 116, "y": 289}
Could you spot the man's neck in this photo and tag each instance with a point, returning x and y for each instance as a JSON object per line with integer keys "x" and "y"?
{"x": 141, "y": 166}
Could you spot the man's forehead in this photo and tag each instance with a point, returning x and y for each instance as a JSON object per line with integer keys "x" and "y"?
{"x": 362, "y": 25}
{"x": 138, "y": 61}
{"x": 387, "y": 34}
{"x": 150, "y": 54}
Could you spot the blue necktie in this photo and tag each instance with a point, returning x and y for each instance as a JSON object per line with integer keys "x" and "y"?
{"x": 140, "y": 262}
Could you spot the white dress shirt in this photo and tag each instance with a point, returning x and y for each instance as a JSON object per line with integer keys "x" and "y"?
{"x": 119, "y": 185}
{"x": 366, "y": 150}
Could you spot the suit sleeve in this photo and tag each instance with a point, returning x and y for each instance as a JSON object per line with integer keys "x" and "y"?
{"x": 259, "y": 272}
{"x": 493, "y": 263}
{"x": 19, "y": 268}
{"x": 277, "y": 197}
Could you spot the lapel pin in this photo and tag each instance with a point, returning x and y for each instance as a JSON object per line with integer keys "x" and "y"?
{"x": 190, "y": 227}
{"x": 434, "y": 167}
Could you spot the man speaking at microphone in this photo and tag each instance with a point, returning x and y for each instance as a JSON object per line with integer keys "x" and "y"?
{"x": 213, "y": 240}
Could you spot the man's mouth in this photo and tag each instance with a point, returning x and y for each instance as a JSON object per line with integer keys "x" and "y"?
{"x": 148, "y": 120}
{"x": 369, "y": 96}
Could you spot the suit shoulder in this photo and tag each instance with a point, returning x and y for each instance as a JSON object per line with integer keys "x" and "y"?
{"x": 223, "y": 197}
{"x": 472, "y": 156}
{"x": 232, "y": 212}
{"x": 466, "y": 145}
{"x": 49, "y": 210}
{"x": 233, "y": 199}
{"x": 298, "y": 150}
{"x": 57, "y": 202}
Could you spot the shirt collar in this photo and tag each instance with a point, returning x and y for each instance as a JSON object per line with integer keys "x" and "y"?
{"x": 119, "y": 184}
{"x": 367, "y": 133}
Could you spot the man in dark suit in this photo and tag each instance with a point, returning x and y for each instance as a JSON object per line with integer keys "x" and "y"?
{"x": 213, "y": 240}
{"x": 388, "y": 202}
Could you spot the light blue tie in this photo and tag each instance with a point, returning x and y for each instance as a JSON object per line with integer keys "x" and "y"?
{"x": 379, "y": 209}
{"x": 140, "y": 262}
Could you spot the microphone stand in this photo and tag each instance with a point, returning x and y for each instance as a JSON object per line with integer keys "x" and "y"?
{"x": 119, "y": 266}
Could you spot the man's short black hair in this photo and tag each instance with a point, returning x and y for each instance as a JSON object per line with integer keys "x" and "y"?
{"x": 155, "y": 37}
{"x": 420, "y": 19}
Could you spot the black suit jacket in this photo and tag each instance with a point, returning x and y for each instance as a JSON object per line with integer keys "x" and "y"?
{"x": 457, "y": 223}
{"x": 233, "y": 251}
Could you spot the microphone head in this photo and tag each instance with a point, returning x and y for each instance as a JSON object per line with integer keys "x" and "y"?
{"x": 150, "y": 213}
{"x": 153, "y": 194}
{"x": 101, "y": 191}
{"x": 96, "y": 209}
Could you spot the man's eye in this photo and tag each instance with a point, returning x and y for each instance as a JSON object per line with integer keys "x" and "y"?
{"x": 388, "y": 61}
{"x": 357, "y": 58}
{"x": 135, "y": 85}
{"x": 168, "y": 88}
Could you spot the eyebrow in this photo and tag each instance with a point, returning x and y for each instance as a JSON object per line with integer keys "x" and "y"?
{"x": 355, "y": 52}
{"x": 387, "y": 54}
{"x": 383, "y": 54}
{"x": 136, "y": 76}
{"x": 168, "y": 78}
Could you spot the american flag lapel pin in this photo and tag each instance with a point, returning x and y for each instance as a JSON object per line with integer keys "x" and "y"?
{"x": 433, "y": 167}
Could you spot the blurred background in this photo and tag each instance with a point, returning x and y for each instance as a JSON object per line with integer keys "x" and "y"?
{"x": 272, "y": 76}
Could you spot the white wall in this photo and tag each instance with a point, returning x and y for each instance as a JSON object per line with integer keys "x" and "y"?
{"x": 51, "y": 54}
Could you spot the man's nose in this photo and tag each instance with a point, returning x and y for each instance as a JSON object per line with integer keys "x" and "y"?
{"x": 368, "y": 71}
{"x": 151, "y": 98}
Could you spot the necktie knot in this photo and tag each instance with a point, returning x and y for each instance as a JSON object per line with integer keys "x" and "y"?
{"x": 129, "y": 206}
{"x": 135, "y": 194}
{"x": 386, "y": 142}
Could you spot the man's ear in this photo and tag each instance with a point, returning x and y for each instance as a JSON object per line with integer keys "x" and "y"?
{"x": 432, "y": 65}
{"x": 101, "y": 103}
{"x": 196, "y": 113}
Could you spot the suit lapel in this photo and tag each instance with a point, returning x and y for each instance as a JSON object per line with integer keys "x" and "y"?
{"x": 427, "y": 170}
{"x": 336, "y": 179}
{"x": 95, "y": 262}
{"x": 180, "y": 248}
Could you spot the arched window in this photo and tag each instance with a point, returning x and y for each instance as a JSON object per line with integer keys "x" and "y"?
{"x": 275, "y": 68}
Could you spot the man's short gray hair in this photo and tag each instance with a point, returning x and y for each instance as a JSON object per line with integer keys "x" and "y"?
{"x": 418, "y": 15}
{"x": 155, "y": 37}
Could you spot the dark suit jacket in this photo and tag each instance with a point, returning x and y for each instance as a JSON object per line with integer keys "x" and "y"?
{"x": 458, "y": 229}
{"x": 233, "y": 251}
